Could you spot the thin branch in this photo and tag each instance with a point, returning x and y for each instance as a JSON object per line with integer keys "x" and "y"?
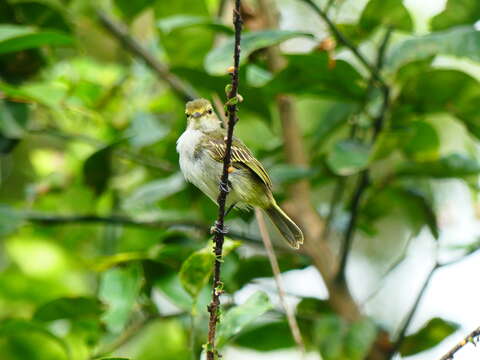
{"x": 401, "y": 334}
{"x": 374, "y": 71}
{"x": 184, "y": 91}
{"x": 406, "y": 323}
{"x": 218, "y": 239}
{"x": 61, "y": 220}
{"x": 292, "y": 321}
{"x": 390, "y": 269}
{"x": 364, "y": 179}
{"x": 473, "y": 338}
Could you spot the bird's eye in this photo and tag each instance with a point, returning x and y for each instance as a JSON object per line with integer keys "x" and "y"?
{"x": 210, "y": 111}
{"x": 186, "y": 114}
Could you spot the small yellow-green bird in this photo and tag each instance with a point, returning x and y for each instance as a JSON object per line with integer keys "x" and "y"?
{"x": 202, "y": 148}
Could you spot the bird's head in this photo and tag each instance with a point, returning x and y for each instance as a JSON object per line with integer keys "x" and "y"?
{"x": 200, "y": 115}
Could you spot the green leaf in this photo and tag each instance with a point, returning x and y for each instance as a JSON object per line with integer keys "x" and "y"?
{"x": 421, "y": 141}
{"x": 69, "y": 308}
{"x": 455, "y": 92}
{"x": 457, "y": 12}
{"x": 451, "y": 166}
{"x": 285, "y": 174}
{"x": 220, "y": 58}
{"x": 196, "y": 270}
{"x": 329, "y": 332}
{"x": 119, "y": 288}
{"x": 258, "y": 76}
{"x": 155, "y": 191}
{"x": 335, "y": 117}
{"x": 386, "y": 13}
{"x": 462, "y": 42}
{"x": 195, "y": 41}
{"x": 131, "y": 9}
{"x": 312, "y": 308}
{"x": 310, "y": 74}
{"x": 97, "y": 169}
{"x": 359, "y": 339}
{"x": 114, "y": 358}
{"x": 430, "y": 335}
{"x": 240, "y": 316}
{"x": 15, "y": 327}
{"x": 172, "y": 287}
{"x": 172, "y": 23}
{"x": 10, "y": 220}
{"x": 389, "y": 13}
{"x": 274, "y": 336}
{"x": 13, "y": 119}
{"x": 348, "y": 157}
{"x": 146, "y": 130}
{"x": 106, "y": 262}
{"x": 15, "y": 38}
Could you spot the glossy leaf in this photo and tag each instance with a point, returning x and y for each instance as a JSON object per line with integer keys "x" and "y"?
{"x": 457, "y": 12}
{"x": 237, "y": 318}
{"x": 455, "y": 92}
{"x": 430, "y": 335}
{"x": 119, "y": 289}
{"x": 310, "y": 74}
{"x": 196, "y": 270}
{"x": 266, "y": 337}
{"x": 150, "y": 193}
{"x": 389, "y": 13}
{"x": 451, "y": 166}
{"x": 220, "y": 59}
{"x": 348, "y": 157}
{"x": 462, "y": 42}
{"x": 15, "y": 38}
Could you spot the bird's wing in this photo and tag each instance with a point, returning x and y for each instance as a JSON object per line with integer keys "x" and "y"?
{"x": 216, "y": 146}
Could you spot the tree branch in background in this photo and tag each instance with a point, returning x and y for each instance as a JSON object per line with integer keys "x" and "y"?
{"x": 473, "y": 338}
{"x": 374, "y": 71}
{"x": 300, "y": 206}
{"x": 364, "y": 179}
{"x": 406, "y": 323}
{"x": 401, "y": 334}
{"x": 218, "y": 239}
{"x": 292, "y": 321}
{"x": 60, "y": 220}
{"x": 184, "y": 91}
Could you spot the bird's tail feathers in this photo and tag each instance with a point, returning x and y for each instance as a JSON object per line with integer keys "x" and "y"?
{"x": 289, "y": 230}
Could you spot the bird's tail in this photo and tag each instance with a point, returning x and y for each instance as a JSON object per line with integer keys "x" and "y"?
{"x": 290, "y": 231}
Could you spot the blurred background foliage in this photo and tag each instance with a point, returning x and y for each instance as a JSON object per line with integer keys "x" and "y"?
{"x": 104, "y": 247}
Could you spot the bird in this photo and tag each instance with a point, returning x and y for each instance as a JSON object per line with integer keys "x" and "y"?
{"x": 201, "y": 148}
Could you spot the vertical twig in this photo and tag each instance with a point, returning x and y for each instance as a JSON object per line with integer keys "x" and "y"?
{"x": 364, "y": 179}
{"x": 472, "y": 337}
{"x": 292, "y": 321}
{"x": 406, "y": 323}
{"x": 218, "y": 239}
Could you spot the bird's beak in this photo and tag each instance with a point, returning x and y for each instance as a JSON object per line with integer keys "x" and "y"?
{"x": 196, "y": 114}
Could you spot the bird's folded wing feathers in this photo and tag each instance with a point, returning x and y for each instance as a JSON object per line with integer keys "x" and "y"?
{"x": 240, "y": 155}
